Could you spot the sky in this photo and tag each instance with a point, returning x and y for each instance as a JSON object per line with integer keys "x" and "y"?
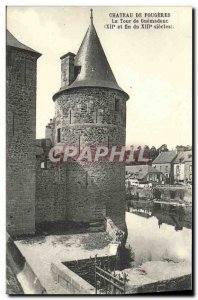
{"x": 153, "y": 66}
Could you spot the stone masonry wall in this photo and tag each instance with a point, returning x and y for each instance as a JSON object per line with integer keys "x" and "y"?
{"x": 21, "y": 134}
{"x": 92, "y": 185}
{"x": 51, "y": 193}
{"x": 70, "y": 281}
{"x": 85, "y": 268}
{"x": 85, "y": 192}
{"x": 93, "y": 116}
{"x": 183, "y": 283}
{"x": 70, "y": 193}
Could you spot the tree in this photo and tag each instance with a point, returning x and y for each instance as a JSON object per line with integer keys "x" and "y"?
{"x": 153, "y": 153}
{"x": 162, "y": 148}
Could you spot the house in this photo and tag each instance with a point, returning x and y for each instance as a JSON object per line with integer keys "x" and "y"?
{"x": 180, "y": 148}
{"x": 164, "y": 163}
{"x": 144, "y": 174}
{"x": 183, "y": 167}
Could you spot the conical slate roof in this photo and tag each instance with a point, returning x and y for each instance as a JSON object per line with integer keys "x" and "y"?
{"x": 95, "y": 70}
{"x": 13, "y": 42}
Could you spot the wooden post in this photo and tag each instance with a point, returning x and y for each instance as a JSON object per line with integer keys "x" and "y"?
{"x": 95, "y": 278}
{"x": 114, "y": 288}
{"x": 124, "y": 277}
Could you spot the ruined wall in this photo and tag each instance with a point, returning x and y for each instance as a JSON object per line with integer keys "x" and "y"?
{"x": 20, "y": 142}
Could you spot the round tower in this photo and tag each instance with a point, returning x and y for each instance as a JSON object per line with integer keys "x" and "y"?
{"x": 91, "y": 110}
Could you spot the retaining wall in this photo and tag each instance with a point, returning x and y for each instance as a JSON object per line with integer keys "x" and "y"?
{"x": 175, "y": 284}
{"x": 22, "y": 270}
{"x": 73, "y": 283}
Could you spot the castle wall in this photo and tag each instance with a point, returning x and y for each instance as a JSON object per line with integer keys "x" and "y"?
{"x": 90, "y": 113}
{"x": 68, "y": 193}
{"x": 95, "y": 189}
{"x": 90, "y": 116}
{"x": 20, "y": 142}
{"x": 51, "y": 194}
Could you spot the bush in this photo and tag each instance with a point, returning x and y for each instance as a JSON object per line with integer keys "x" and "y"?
{"x": 157, "y": 193}
{"x": 128, "y": 257}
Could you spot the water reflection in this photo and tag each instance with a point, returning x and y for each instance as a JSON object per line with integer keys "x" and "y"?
{"x": 177, "y": 216}
{"x": 156, "y": 234}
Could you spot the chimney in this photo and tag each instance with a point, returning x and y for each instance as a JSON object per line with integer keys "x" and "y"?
{"x": 67, "y": 69}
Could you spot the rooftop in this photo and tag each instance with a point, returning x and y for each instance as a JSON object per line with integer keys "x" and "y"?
{"x": 141, "y": 170}
{"x": 95, "y": 70}
{"x": 184, "y": 156}
{"x": 13, "y": 42}
{"x": 165, "y": 157}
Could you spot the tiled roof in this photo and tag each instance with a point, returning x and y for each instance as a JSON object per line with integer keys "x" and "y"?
{"x": 184, "y": 156}
{"x": 165, "y": 157}
{"x": 141, "y": 170}
{"x": 13, "y": 42}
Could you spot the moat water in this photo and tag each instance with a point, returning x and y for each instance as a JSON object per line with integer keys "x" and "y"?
{"x": 155, "y": 235}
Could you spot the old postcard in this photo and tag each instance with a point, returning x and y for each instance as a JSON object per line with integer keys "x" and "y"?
{"x": 99, "y": 150}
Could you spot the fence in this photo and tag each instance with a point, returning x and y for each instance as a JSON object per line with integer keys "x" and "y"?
{"x": 108, "y": 283}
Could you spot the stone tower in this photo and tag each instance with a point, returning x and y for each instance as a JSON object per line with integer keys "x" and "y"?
{"x": 21, "y": 67}
{"x": 90, "y": 109}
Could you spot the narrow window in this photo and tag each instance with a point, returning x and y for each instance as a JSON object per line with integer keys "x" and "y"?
{"x": 79, "y": 144}
{"x": 42, "y": 165}
{"x": 96, "y": 115}
{"x": 28, "y": 65}
{"x": 70, "y": 117}
{"x": 77, "y": 70}
{"x": 25, "y": 77}
{"x": 13, "y": 124}
{"x": 9, "y": 58}
{"x": 86, "y": 178}
{"x": 116, "y": 104}
{"x": 59, "y": 174}
{"x": 108, "y": 141}
{"x": 58, "y": 135}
